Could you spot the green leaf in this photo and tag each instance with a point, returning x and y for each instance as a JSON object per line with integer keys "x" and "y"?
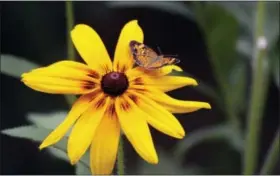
{"x": 59, "y": 150}
{"x": 210, "y": 133}
{"x": 35, "y": 133}
{"x": 177, "y": 8}
{"x": 28, "y": 132}
{"x": 47, "y": 120}
{"x": 221, "y": 32}
{"x": 168, "y": 164}
{"x": 15, "y": 66}
{"x": 243, "y": 12}
{"x": 58, "y": 153}
{"x": 82, "y": 169}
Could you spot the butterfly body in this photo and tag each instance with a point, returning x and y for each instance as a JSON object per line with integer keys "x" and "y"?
{"x": 145, "y": 57}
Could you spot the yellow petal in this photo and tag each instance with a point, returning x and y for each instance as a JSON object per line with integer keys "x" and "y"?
{"x": 140, "y": 71}
{"x": 81, "y": 105}
{"x": 168, "y": 69}
{"x": 135, "y": 127}
{"x": 68, "y": 70}
{"x": 91, "y": 48}
{"x": 77, "y": 68}
{"x": 158, "y": 117}
{"x": 123, "y": 58}
{"x": 83, "y": 131}
{"x": 54, "y": 89}
{"x": 104, "y": 146}
{"x": 165, "y": 83}
{"x": 174, "y": 105}
{"x": 65, "y": 77}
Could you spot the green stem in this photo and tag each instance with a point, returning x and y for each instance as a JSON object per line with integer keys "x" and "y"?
{"x": 120, "y": 160}
{"x": 272, "y": 156}
{"x": 70, "y": 25}
{"x": 70, "y": 49}
{"x": 257, "y": 97}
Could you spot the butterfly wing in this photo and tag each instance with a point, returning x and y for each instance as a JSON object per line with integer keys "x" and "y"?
{"x": 163, "y": 61}
{"x": 142, "y": 54}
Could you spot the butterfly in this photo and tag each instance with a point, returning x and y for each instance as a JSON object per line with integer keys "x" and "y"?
{"x": 145, "y": 57}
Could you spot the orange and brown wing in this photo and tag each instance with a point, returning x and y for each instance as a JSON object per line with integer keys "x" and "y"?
{"x": 163, "y": 61}
{"x": 142, "y": 54}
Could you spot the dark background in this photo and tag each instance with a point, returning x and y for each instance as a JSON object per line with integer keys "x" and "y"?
{"x": 37, "y": 31}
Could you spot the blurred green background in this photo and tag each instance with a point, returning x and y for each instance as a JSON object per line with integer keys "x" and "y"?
{"x": 217, "y": 43}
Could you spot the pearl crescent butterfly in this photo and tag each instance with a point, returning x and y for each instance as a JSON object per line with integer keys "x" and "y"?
{"x": 145, "y": 57}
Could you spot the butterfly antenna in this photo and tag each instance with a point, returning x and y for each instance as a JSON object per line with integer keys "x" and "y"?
{"x": 159, "y": 50}
{"x": 171, "y": 55}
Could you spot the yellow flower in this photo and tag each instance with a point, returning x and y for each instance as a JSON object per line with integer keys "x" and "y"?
{"x": 115, "y": 96}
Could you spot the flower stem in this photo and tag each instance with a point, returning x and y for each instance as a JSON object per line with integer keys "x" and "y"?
{"x": 257, "y": 97}
{"x": 120, "y": 160}
{"x": 272, "y": 156}
{"x": 70, "y": 49}
{"x": 70, "y": 25}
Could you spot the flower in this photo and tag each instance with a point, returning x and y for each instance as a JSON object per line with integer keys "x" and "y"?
{"x": 114, "y": 97}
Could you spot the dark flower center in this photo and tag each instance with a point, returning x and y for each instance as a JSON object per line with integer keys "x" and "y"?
{"x": 114, "y": 83}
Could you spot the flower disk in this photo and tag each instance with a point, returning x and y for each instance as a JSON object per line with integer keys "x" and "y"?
{"x": 114, "y": 83}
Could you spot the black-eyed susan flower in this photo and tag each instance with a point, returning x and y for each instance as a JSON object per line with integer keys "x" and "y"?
{"x": 114, "y": 97}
